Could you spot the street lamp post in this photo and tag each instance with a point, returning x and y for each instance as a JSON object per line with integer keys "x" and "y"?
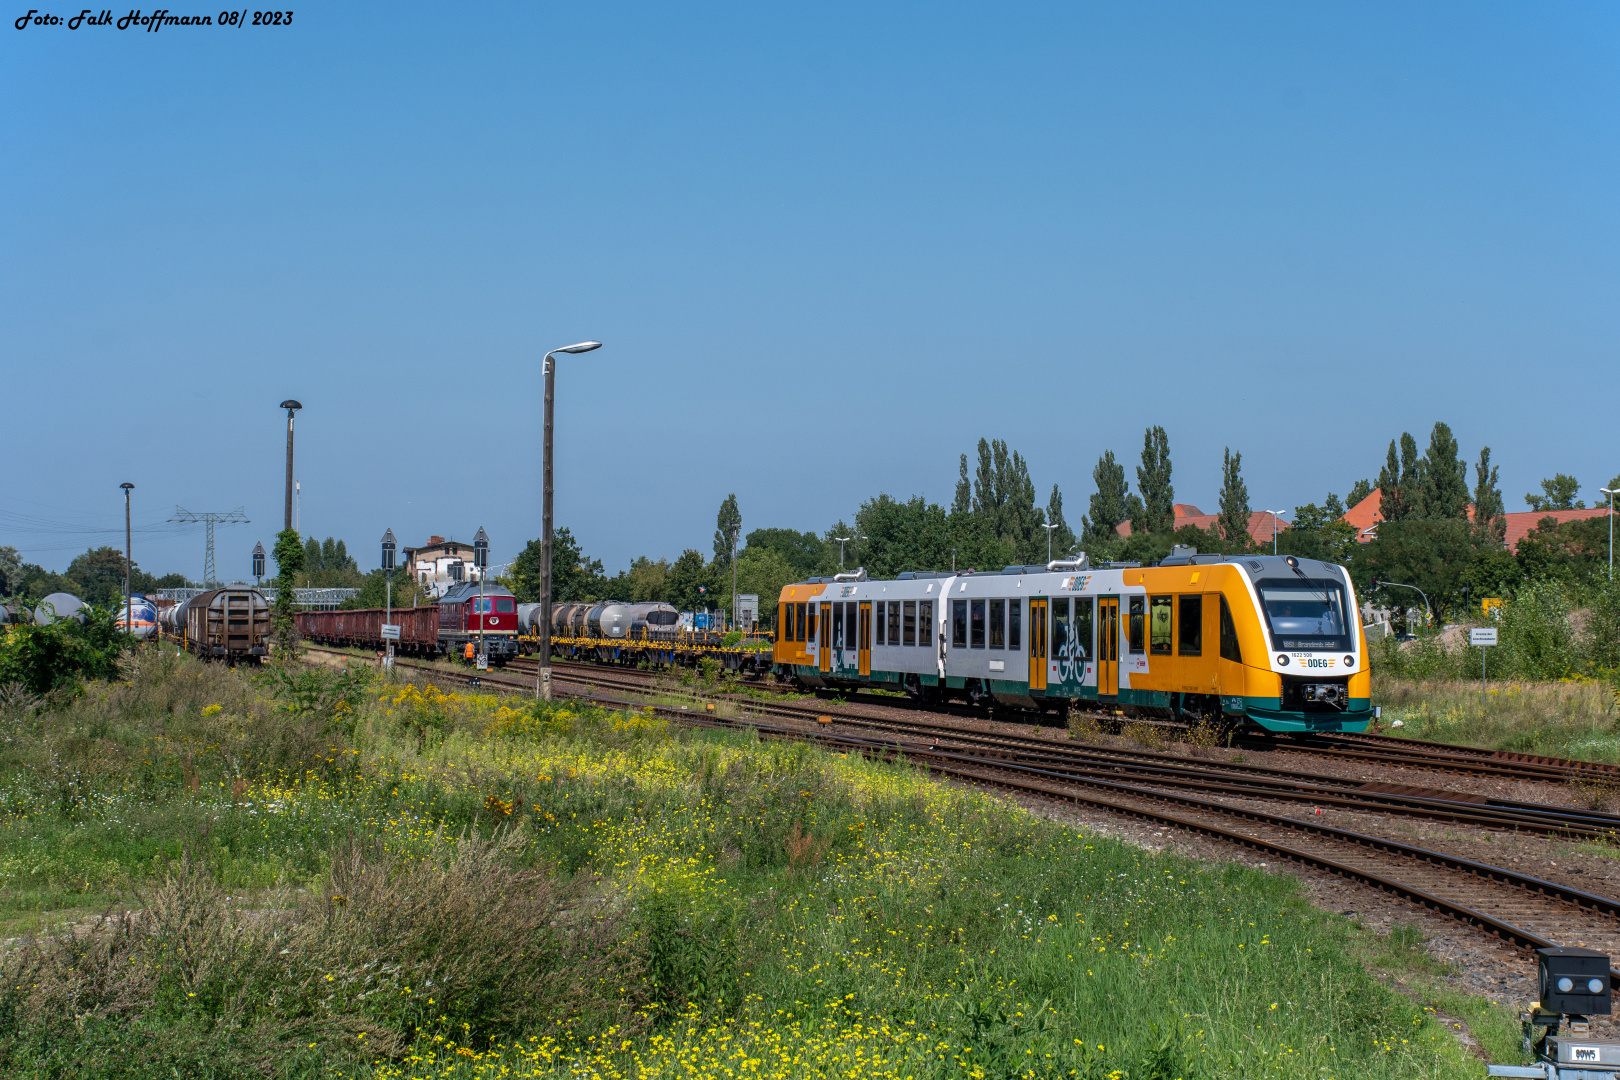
{"x": 736, "y": 617}
{"x": 481, "y": 560}
{"x": 1048, "y": 529}
{"x": 1610, "y": 493}
{"x": 388, "y": 545}
{"x": 291, "y": 406}
{"x": 1275, "y": 517}
{"x": 129, "y": 601}
{"x": 542, "y": 685}
{"x": 1379, "y": 583}
{"x": 840, "y": 540}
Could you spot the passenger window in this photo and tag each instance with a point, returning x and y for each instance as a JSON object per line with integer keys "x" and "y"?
{"x": 1015, "y": 625}
{"x": 882, "y": 625}
{"x": 1229, "y": 639}
{"x": 908, "y": 623}
{"x": 505, "y": 605}
{"x": 959, "y": 620}
{"x": 1134, "y": 624}
{"x": 998, "y": 617}
{"x": 894, "y": 622}
{"x": 851, "y": 619}
{"x": 976, "y": 623}
{"x": 838, "y": 626}
{"x": 810, "y": 621}
{"x": 1161, "y": 624}
{"x": 1190, "y": 616}
{"x": 798, "y": 634}
{"x": 925, "y": 622}
{"x": 1082, "y": 627}
{"x": 1060, "y": 627}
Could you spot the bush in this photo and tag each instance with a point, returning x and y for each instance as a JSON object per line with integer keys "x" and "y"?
{"x": 61, "y": 655}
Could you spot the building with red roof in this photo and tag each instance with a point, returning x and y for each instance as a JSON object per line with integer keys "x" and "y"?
{"x": 1261, "y": 522}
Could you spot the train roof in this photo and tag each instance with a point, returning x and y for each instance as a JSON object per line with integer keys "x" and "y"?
{"x": 464, "y": 589}
{"x": 1255, "y": 566}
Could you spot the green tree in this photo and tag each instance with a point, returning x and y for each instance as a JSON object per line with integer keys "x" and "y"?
{"x": 1319, "y": 532}
{"x": 1490, "y": 524}
{"x": 728, "y": 530}
{"x": 805, "y": 552}
{"x": 1400, "y": 480}
{"x": 11, "y": 571}
{"x": 1153, "y": 482}
{"x": 1558, "y": 493}
{"x": 289, "y": 556}
{"x": 914, "y": 535}
{"x": 1574, "y": 552}
{"x": 963, "y": 503}
{"x": 1443, "y": 488}
{"x": 573, "y": 575}
{"x": 1108, "y": 506}
{"x": 1358, "y": 491}
{"x": 1004, "y": 503}
{"x": 692, "y": 582}
{"x": 1432, "y": 554}
{"x": 98, "y": 577}
{"x": 1234, "y": 517}
{"x": 60, "y": 655}
{"x": 763, "y": 571}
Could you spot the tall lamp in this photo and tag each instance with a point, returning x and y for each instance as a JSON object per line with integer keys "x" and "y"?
{"x": 1610, "y": 493}
{"x": 542, "y": 683}
{"x": 129, "y": 601}
{"x": 388, "y": 545}
{"x": 481, "y": 560}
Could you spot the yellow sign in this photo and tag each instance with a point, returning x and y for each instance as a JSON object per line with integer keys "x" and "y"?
{"x": 1490, "y": 606}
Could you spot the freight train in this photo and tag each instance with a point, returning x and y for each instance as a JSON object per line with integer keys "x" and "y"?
{"x": 1272, "y": 641}
{"x": 613, "y": 619}
{"x": 453, "y": 626}
{"x": 232, "y": 625}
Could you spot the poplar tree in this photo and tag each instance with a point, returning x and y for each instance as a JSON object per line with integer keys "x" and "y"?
{"x": 1153, "y": 482}
{"x": 728, "y": 523}
{"x": 1107, "y": 508}
{"x": 1398, "y": 481}
{"x": 1489, "y": 523}
{"x": 1443, "y": 492}
{"x": 1234, "y": 519}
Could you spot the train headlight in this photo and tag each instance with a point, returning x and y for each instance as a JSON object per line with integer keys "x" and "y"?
{"x": 1282, "y": 660}
{"x": 1565, "y": 985}
{"x": 1594, "y": 986}
{"x": 1349, "y": 661}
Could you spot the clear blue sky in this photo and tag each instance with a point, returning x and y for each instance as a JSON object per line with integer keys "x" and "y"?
{"x": 828, "y": 247}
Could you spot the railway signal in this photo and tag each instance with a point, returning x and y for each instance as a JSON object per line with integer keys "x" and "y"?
{"x": 1574, "y": 986}
{"x": 481, "y": 561}
{"x": 388, "y": 545}
{"x": 258, "y": 562}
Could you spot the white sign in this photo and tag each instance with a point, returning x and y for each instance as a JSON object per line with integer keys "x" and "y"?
{"x": 1482, "y": 636}
{"x": 390, "y": 631}
{"x": 483, "y": 662}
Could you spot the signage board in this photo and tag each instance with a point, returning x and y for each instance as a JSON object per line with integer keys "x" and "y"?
{"x": 1482, "y": 635}
{"x": 390, "y": 631}
{"x": 483, "y": 662}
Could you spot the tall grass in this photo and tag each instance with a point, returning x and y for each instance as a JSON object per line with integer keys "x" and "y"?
{"x": 413, "y": 882}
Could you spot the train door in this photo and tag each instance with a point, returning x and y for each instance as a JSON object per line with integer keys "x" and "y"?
{"x": 864, "y": 642}
{"x": 824, "y": 636}
{"x": 1108, "y": 646}
{"x": 1037, "y": 643}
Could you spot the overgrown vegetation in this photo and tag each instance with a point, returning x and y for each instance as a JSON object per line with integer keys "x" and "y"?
{"x": 377, "y": 878}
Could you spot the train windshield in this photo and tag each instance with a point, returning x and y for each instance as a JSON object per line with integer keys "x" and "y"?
{"x": 1306, "y": 614}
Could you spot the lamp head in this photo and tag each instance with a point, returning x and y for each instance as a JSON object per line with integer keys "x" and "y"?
{"x": 127, "y": 486}
{"x": 291, "y": 406}
{"x": 583, "y": 346}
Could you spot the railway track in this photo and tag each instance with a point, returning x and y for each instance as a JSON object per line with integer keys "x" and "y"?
{"x": 1524, "y": 910}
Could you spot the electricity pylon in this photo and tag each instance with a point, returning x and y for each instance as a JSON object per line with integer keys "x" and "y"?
{"x": 210, "y": 518}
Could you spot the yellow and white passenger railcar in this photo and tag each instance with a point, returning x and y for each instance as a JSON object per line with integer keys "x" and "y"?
{"x": 1276, "y": 641}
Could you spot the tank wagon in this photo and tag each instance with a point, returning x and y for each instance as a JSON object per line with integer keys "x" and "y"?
{"x": 450, "y": 627}
{"x": 1272, "y": 641}
{"x": 613, "y": 619}
{"x": 232, "y": 625}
